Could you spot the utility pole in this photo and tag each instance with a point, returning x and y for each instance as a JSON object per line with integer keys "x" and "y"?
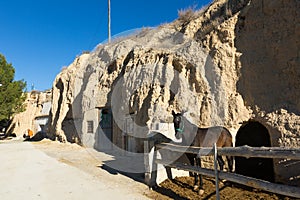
{"x": 109, "y": 34}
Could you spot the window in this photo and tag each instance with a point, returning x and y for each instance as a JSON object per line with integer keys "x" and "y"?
{"x": 90, "y": 126}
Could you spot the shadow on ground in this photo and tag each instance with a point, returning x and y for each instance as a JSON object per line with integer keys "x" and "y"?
{"x": 139, "y": 177}
{"x": 39, "y": 136}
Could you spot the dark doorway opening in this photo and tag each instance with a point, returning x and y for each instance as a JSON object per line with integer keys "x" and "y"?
{"x": 106, "y": 129}
{"x": 254, "y": 134}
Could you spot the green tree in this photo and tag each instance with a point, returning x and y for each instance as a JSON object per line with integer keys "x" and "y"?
{"x": 12, "y": 94}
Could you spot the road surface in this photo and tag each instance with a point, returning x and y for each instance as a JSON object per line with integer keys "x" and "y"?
{"x": 39, "y": 171}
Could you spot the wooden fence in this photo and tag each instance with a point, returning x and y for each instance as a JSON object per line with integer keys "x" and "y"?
{"x": 243, "y": 151}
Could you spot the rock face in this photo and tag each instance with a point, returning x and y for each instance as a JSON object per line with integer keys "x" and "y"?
{"x": 35, "y": 116}
{"x": 232, "y": 63}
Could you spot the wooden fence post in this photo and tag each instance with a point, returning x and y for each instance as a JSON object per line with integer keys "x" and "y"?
{"x": 147, "y": 164}
{"x": 216, "y": 171}
{"x": 150, "y": 167}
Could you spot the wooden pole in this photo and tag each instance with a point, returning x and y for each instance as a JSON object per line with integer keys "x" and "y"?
{"x": 216, "y": 171}
{"x": 243, "y": 151}
{"x": 109, "y": 22}
{"x": 147, "y": 163}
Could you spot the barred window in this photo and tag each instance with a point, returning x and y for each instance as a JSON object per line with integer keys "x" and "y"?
{"x": 90, "y": 126}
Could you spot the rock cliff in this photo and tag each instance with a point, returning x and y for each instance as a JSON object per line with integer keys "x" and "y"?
{"x": 232, "y": 62}
{"x": 37, "y": 106}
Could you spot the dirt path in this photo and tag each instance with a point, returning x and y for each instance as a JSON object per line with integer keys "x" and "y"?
{"x": 50, "y": 170}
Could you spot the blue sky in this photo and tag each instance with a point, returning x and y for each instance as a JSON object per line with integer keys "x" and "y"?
{"x": 40, "y": 37}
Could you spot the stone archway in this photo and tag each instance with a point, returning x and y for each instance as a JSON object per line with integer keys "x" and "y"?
{"x": 256, "y": 135}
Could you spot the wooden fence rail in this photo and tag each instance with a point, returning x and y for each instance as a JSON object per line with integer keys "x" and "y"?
{"x": 243, "y": 151}
{"x": 240, "y": 179}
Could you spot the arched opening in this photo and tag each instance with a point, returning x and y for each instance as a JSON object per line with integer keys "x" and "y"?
{"x": 254, "y": 134}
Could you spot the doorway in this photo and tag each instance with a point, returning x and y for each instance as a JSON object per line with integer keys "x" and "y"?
{"x": 254, "y": 134}
{"x": 105, "y": 131}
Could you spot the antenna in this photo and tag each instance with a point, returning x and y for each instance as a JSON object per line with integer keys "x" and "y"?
{"x": 109, "y": 34}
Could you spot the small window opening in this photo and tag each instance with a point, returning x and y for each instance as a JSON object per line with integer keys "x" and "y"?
{"x": 90, "y": 126}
